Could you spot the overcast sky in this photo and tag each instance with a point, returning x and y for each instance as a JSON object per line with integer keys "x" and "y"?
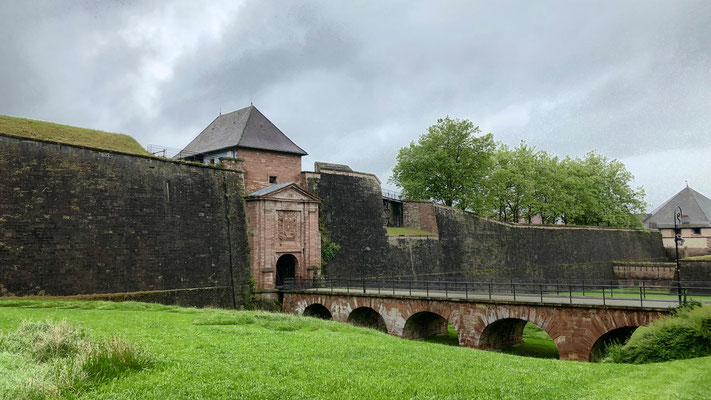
{"x": 352, "y": 82}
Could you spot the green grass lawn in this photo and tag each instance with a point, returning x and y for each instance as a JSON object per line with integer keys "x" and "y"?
{"x": 69, "y": 134}
{"x": 706, "y": 257}
{"x": 633, "y": 293}
{"x": 395, "y": 231}
{"x": 220, "y": 354}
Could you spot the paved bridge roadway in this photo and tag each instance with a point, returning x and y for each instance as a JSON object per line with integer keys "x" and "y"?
{"x": 579, "y": 325}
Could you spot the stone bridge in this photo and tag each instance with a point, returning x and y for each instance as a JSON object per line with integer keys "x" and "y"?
{"x": 578, "y": 330}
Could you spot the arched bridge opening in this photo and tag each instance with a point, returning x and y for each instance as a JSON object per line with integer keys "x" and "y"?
{"x": 518, "y": 336}
{"x": 318, "y": 311}
{"x": 430, "y": 326}
{"x": 615, "y": 336}
{"x": 367, "y": 318}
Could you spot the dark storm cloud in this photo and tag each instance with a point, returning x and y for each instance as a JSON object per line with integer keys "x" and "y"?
{"x": 353, "y": 82}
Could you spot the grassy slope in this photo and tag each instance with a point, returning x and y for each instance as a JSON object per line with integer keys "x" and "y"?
{"x": 395, "y": 231}
{"x": 70, "y": 134}
{"x": 259, "y": 355}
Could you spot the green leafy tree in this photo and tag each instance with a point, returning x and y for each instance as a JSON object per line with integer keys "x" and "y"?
{"x": 512, "y": 182}
{"x": 447, "y": 164}
{"x": 547, "y": 189}
{"x": 454, "y": 166}
{"x": 597, "y": 191}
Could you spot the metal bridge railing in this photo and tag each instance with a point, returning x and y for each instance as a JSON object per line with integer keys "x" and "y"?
{"x": 631, "y": 293}
{"x": 392, "y": 195}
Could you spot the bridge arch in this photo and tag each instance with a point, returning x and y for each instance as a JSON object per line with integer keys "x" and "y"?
{"x": 617, "y": 335}
{"x": 426, "y": 319}
{"x": 424, "y": 324}
{"x": 317, "y": 310}
{"x": 368, "y": 318}
{"x": 506, "y": 333}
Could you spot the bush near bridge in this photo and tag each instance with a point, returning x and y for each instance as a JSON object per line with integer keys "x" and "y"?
{"x": 225, "y": 354}
{"x": 684, "y": 335}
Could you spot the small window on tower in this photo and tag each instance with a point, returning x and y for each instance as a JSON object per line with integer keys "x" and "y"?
{"x": 697, "y": 231}
{"x": 272, "y": 179}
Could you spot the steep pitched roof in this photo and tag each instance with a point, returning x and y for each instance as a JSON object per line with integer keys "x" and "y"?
{"x": 692, "y": 203}
{"x": 246, "y": 127}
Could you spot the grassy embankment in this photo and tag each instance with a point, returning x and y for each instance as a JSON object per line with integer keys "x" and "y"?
{"x": 69, "y": 134}
{"x": 215, "y": 354}
{"x": 396, "y": 231}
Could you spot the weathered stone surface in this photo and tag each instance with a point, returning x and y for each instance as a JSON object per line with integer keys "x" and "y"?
{"x": 485, "y": 325}
{"x": 468, "y": 246}
{"x": 81, "y": 221}
{"x": 281, "y": 223}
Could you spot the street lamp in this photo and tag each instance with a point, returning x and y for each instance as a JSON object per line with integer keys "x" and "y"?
{"x": 677, "y": 239}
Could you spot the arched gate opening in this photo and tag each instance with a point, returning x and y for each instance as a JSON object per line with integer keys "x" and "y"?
{"x": 285, "y": 269}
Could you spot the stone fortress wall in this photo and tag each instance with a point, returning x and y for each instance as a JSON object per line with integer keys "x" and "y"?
{"x": 462, "y": 245}
{"x": 75, "y": 220}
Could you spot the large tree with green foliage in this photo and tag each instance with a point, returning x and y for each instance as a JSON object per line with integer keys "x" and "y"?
{"x": 511, "y": 184}
{"x": 446, "y": 164}
{"x": 452, "y": 165}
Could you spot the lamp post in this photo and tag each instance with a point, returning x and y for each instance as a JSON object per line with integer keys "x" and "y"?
{"x": 677, "y": 239}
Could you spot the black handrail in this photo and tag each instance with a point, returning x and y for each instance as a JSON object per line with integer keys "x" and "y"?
{"x": 578, "y": 292}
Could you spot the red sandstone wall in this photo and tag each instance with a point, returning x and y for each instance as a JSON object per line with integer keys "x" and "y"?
{"x": 266, "y": 244}
{"x": 421, "y": 215}
{"x": 260, "y": 164}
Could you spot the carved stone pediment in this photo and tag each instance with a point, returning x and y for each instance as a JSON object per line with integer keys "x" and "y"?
{"x": 290, "y": 192}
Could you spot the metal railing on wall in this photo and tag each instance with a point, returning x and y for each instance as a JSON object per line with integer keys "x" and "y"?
{"x": 579, "y": 292}
{"x": 168, "y": 152}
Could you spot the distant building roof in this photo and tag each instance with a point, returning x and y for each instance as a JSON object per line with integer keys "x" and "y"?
{"x": 246, "y": 127}
{"x": 692, "y": 203}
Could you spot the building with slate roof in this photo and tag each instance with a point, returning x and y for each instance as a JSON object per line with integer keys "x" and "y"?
{"x": 268, "y": 155}
{"x": 695, "y": 224}
{"x": 282, "y": 217}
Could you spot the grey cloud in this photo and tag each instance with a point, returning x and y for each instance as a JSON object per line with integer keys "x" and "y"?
{"x": 353, "y": 82}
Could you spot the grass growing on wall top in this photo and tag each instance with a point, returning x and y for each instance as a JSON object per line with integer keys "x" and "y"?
{"x": 221, "y": 354}
{"x": 396, "y": 231}
{"x": 69, "y": 134}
